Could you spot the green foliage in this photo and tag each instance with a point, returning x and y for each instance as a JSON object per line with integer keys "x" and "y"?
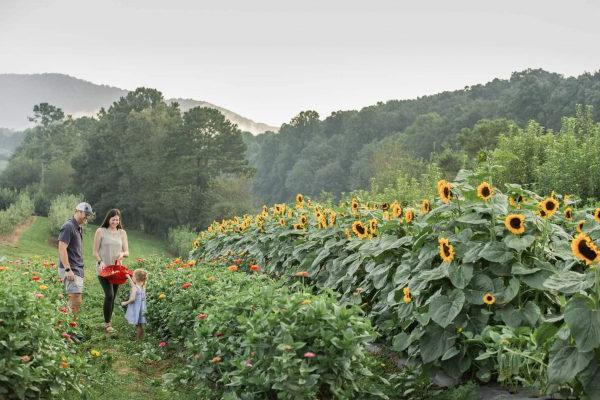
{"x": 7, "y": 197}
{"x": 61, "y": 209}
{"x": 16, "y": 213}
{"x": 180, "y": 240}
{"x": 267, "y": 340}
{"x": 492, "y": 309}
{"x": 37, "y": 362}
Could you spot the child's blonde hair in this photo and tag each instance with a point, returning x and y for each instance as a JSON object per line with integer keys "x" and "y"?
{"x": 140, "y": 276}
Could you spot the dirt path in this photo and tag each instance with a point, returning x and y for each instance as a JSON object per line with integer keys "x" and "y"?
{"x": 13, "y": 238}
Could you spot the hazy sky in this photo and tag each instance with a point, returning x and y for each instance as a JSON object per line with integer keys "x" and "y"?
{"x": 268, "y": 60}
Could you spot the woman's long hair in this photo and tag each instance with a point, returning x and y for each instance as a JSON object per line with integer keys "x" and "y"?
{"x": 109, "y": 215}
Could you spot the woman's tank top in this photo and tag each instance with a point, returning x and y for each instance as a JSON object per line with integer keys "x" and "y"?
{"x": 111, "y": 245}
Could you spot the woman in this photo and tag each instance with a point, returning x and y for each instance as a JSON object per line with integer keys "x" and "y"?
{"x": 110, "y": 244}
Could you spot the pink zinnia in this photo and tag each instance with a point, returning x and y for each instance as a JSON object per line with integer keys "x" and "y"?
{"x": 39, "y": 296}
{"x": 66, "y": 336}
{"x": 162, "y": 344}
{"x": 63, "y": 310}
{"x": 308, "y": 354}
{"x": 201, "y": 316}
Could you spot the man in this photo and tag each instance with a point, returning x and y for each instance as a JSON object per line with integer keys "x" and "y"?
{"x": 70, "y": 254}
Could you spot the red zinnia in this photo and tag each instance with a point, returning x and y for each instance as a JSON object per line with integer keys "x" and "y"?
{"x": 73, "y": 324}
{"x": 35, "y": 278}
{"x": 63, "y": 310}
{"x": 255, "y": 268}
{"x": 186, "y": 285}
{"x": 162, "y": 344}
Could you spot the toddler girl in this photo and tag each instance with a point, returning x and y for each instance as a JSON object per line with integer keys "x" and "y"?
{"x": 136, "y": 305}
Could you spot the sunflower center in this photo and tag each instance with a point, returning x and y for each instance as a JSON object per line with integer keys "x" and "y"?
{"x": 586, "y": 250}
{"x": 446, "y": 249}
{"x": 446, "y": 192}
{"x": 360, "y": 229}
{"x": 485, "y": 192}
{"x": 519, "y": 199}
{"x": 515, "y": 223}
{"x": 550, "y": 206}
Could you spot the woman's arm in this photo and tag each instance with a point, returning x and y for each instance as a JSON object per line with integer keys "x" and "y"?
{"x": 97, "y": 239}
{"x": 132, "y": 294}
{"x": 125, "y": 252}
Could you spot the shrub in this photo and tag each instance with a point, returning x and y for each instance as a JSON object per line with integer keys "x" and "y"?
{"x": 267, "y": 340}
{"x": 36, "y": 360}
{"x": 7, "y": 197}
{"x": 180, "y": 240}
{"x": 16, "y": 213}
{"x": 61, "y": 209}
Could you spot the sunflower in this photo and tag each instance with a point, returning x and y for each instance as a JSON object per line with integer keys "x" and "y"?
{"x": 445, "y": 191}
{"x": 279, "y": 208}
{"x": 290, "y": 213}
{"x": 282, "y": 222}
{"x": 446, "y": 250}
{"x": 542, "y": 213}
{"x": 549, "y": 205}
{"x": 569, "y": 213}
{"x": 360, "y": 230}
{"x": 354, "y": 205}
{"x": 485, "y": 191}
{"x": 597, "y": 214}
{"x": 385, "y": 206}
{"x": 579, "y": 226}
{"x": 298, "y": 226}
{"x": 584, "y": 248}
{"x": 396, "y": 210}
{"x": 265, "y": 210}
{"x": 373, "y": 226}
{"x": 425, "y": 207}
{"x": 489, "y": 299}
{"x": 409, "y": 215}
{"x": 332, "y": 218}
{"x": 322, "y": 222}
{"x": 515, "y": 223}
{"x": 299, "y": 198}
{"x": 318, "y": 215}
{"x": 303, "y": 219}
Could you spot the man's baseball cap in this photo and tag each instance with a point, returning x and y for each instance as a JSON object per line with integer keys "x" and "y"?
{"x": 85, "y": 207}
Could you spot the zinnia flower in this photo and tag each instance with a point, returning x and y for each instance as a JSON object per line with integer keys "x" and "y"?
{"x": 232, "y": 268}
{"x": 255, "y": 268}
{"x": 25, "y": 359}
{"x": 73, "y": 324}
{"x": 162, "y": 296}
{"x": 201, "y": 316}
{"x": 309, "y": 354}
{"x": 303, "y": 274}
{"x": 215, "y": 360}
{"x": 35, "y": 278}
{"x": 43, "y": 287}
{"x": 95, "y": 353}
{"x": 39, "y": 296}
{"x": 162, "y": 344}
{"x": 186, "y": 285}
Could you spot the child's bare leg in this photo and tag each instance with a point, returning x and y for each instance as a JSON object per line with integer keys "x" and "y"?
{"x": 139, "y": 332}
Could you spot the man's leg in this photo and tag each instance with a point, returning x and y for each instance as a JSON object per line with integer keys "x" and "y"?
{"x": 74, "y": 302}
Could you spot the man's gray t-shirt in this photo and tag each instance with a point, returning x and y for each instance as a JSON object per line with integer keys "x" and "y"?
{"x": 71, "y": 234}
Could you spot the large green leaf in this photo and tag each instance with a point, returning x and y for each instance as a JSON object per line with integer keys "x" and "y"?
{"x": 434, "y": 343}
{"x": 496, "y": 252}
{"x": 472, "y": 254}
{"x": 569, "y": 282}
{"x": 444, "y": 309}
{"x": 519, "y": 243}
{"x": 566, "y": 363}
{"x": 472, "y": 218}
{"x": 460, "y": 275}
{"x": 583, "y": 319}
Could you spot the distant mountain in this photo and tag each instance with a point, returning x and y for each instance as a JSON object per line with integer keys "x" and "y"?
{"x": 19, "y": 93}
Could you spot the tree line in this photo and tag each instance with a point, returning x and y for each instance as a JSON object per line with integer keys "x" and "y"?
{"x": 160, "y": 166}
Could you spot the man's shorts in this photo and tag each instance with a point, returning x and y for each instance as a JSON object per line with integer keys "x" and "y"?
{"x": 74, "y": 286}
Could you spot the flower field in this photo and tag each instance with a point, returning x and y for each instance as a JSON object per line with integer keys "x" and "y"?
{"x": 481, "y": 284}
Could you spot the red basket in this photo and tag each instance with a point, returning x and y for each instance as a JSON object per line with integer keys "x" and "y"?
{"x": 116, "y": 274}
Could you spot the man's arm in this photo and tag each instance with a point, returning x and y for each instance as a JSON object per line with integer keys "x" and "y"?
{"x": 64, "y": 259}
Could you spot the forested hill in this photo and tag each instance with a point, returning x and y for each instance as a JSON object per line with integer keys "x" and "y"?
{"x": 19, "y": 93}
{"x": 337, "y": 154}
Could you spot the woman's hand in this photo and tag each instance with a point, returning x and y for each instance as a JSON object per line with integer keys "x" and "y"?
{"x": 124, "y": 303}
{"x": 121, "y": 255}
{"x": 101, "y": 265}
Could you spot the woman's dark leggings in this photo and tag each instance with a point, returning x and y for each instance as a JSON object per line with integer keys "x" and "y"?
{"x": 110, "y": 293}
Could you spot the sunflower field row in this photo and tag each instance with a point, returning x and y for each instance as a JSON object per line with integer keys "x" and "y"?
{"x": 478, "y": 283}
{"x": 38, "y": 358}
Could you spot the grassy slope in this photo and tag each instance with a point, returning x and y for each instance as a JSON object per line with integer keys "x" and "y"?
{"x": 127, "y": 369}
